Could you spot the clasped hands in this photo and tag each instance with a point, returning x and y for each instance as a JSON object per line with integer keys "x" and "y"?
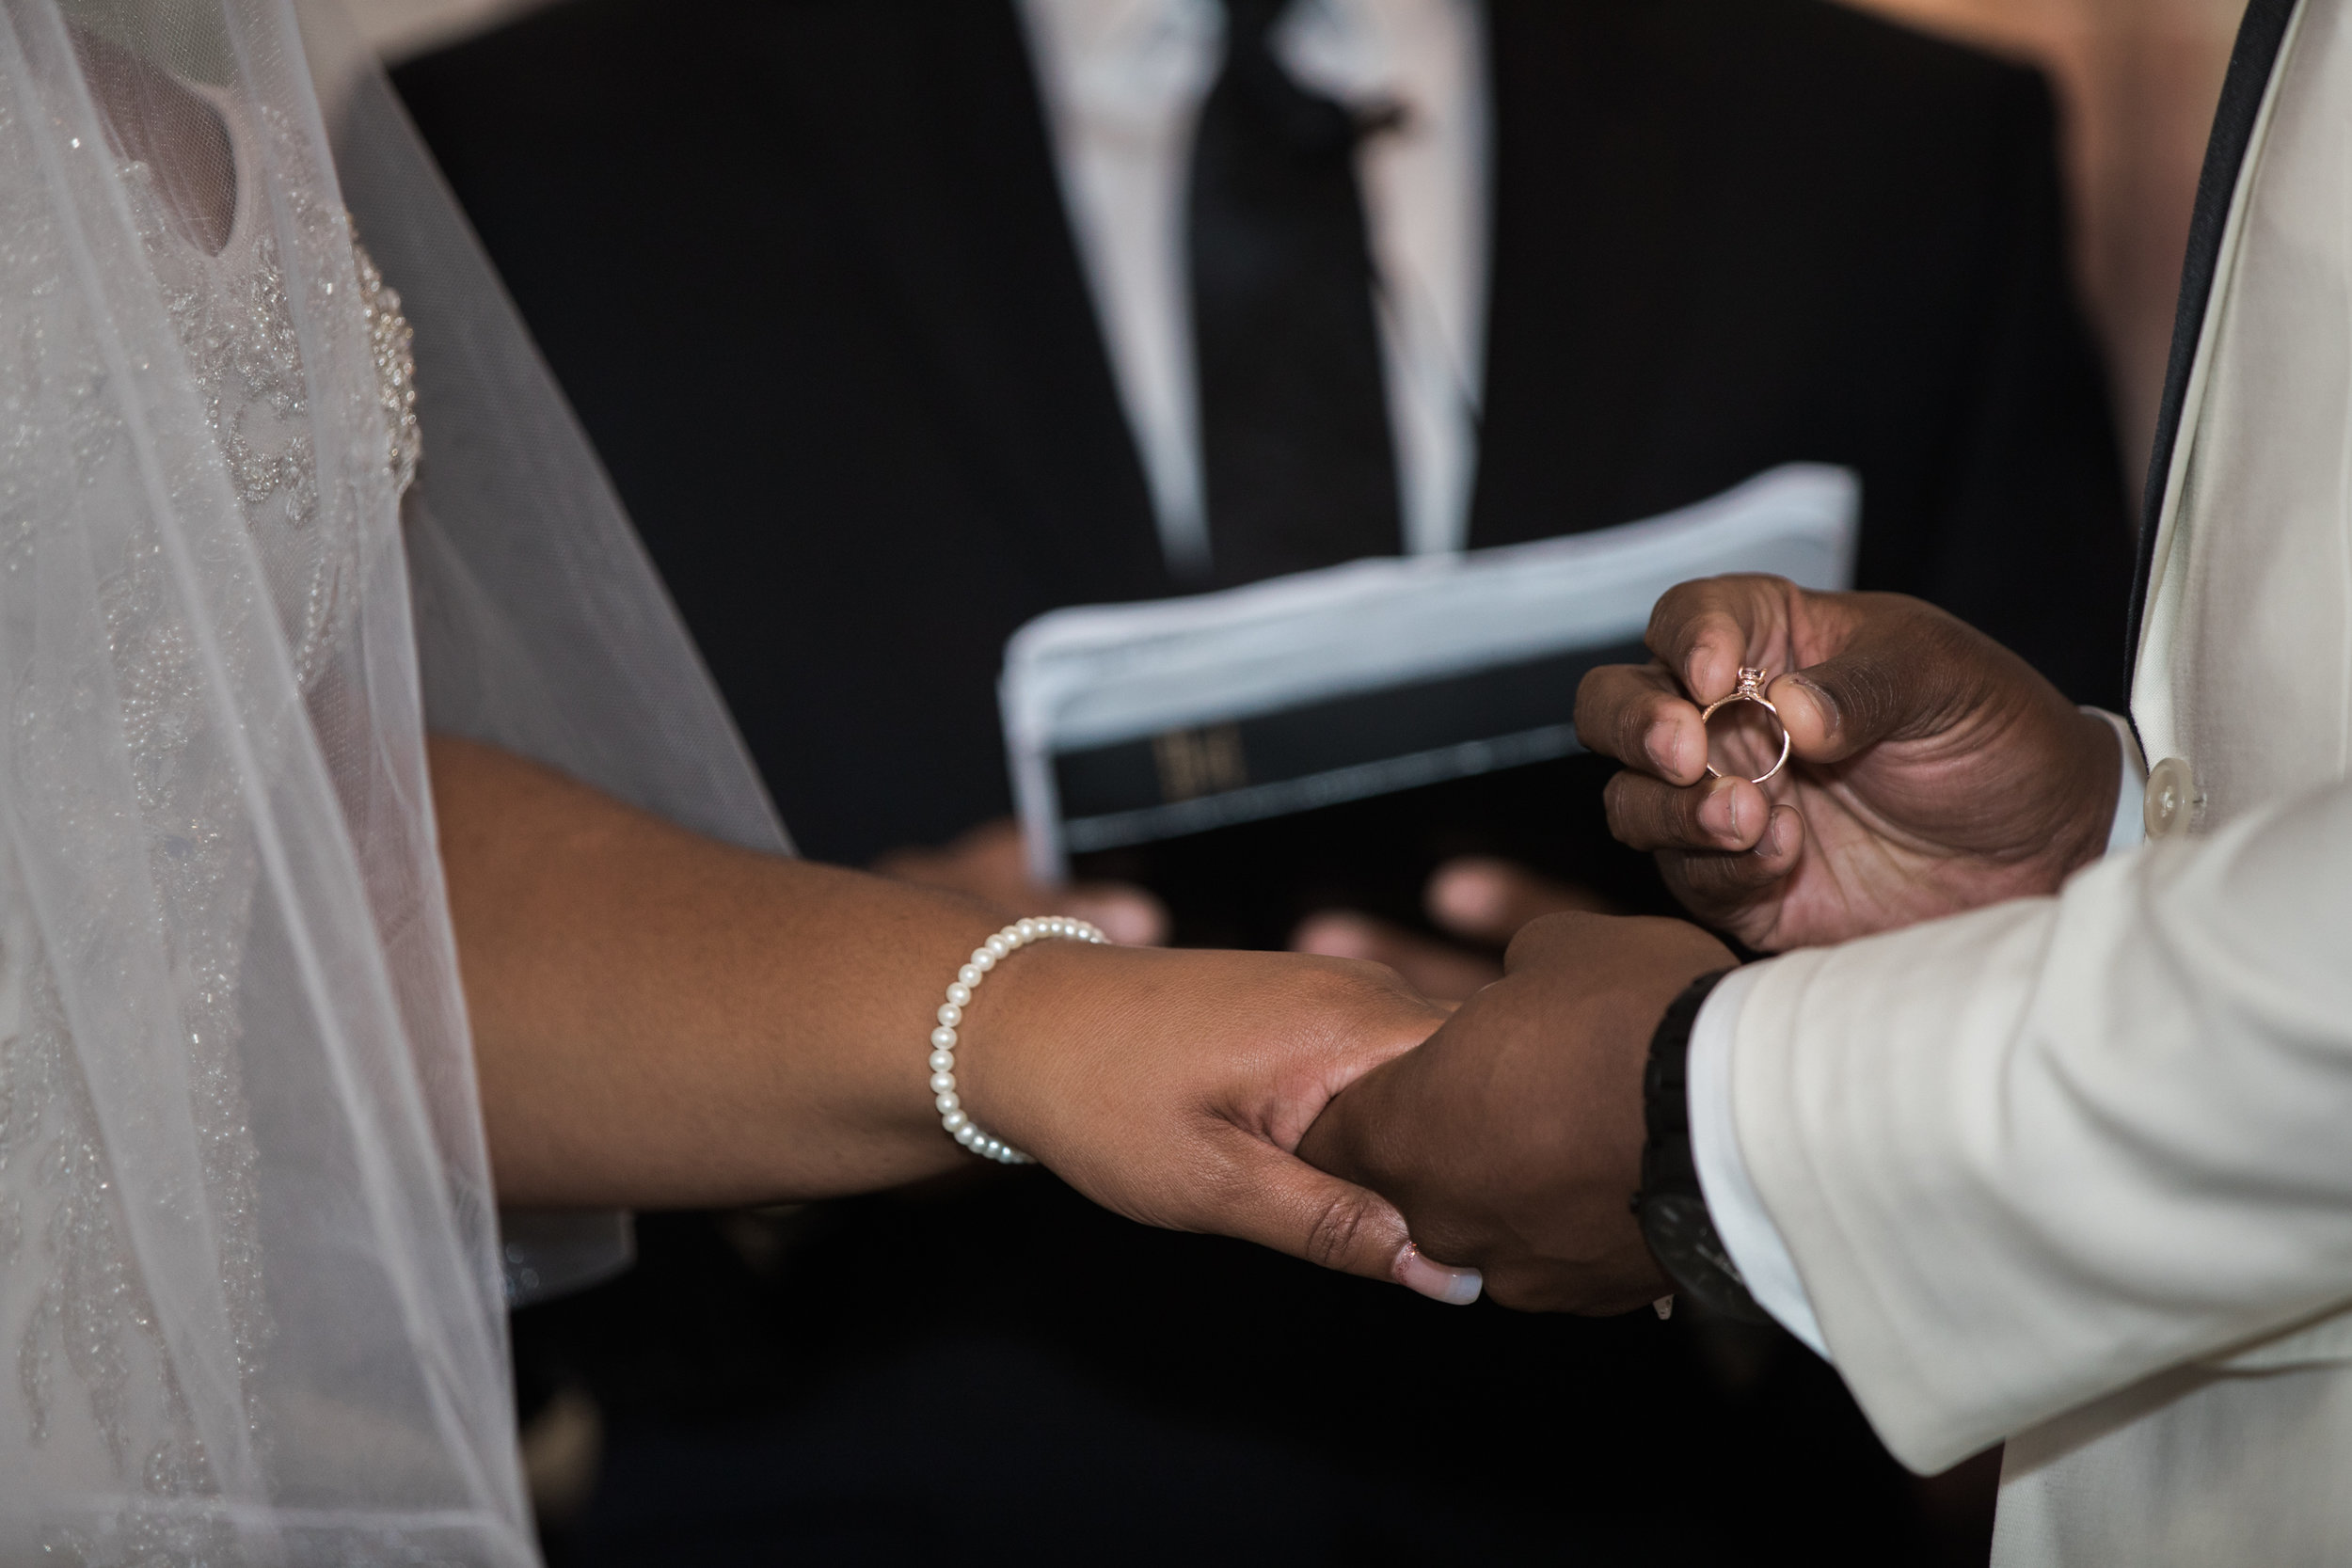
{"x": 1931, "y": 771}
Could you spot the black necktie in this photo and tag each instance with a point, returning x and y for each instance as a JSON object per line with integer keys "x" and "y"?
{"x": 1294, "y": 423}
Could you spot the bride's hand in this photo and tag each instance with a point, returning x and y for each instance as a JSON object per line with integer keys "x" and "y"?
{"x": 1173, "y": 1086}
{"x": 661, "y": 1020}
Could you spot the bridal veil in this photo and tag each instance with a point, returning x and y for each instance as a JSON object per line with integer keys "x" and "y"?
{"x": 251, "y": 1301}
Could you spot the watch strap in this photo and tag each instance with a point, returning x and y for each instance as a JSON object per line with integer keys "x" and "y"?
{"x": 1672, "y": 1206}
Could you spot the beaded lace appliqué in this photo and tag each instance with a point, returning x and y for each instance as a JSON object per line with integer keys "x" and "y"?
{"x": 91, "y": 1335}
{"x": 394, "y": 343}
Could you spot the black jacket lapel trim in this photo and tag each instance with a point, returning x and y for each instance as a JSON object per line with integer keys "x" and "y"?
{"x": 2251, "y": 62}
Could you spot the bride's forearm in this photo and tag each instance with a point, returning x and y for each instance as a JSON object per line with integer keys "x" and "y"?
{"x": 661, "y": 1019}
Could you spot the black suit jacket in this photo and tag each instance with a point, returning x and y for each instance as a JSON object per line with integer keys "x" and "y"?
{"x": 803, "y": 268}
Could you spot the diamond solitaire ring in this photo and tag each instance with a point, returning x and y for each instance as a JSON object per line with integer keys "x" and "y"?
{"x": 1750, "y": 690}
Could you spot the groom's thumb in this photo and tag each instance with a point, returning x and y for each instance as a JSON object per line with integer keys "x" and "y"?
{"x": 1291, "y": 1207}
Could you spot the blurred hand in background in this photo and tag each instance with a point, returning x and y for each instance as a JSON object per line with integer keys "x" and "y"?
{"x": 1479, "y": 899}
{"x": 990, "y": 862}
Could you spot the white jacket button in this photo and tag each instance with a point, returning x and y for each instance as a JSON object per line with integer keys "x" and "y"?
{"x": 2173, "y": 803}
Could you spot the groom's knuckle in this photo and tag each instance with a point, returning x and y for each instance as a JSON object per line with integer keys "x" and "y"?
{"x": 1601, "y": 700}
{"x": 1682, "y": 879}
{"x": 1622, "y": 800}
{"x": 1597, "y": 696}
{"x": 1635, "y": 719}
{"x": 1668, "y": 617}
{"x": 1612, "y": 799}
{"x": 1708, "y": 873}
{"x": 1698, "y": 877}
{"x": 1736, "y": 872}
{"x": 1682, "y": 814}
{"x": 1644, "y": 812}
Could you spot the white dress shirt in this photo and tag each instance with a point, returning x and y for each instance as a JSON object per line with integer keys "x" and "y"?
{"x": 1123, "y": 81}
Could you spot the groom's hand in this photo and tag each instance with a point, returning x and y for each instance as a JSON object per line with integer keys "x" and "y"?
{"x": 1511, "y": 1140}
{"x": 1930, "y": 770}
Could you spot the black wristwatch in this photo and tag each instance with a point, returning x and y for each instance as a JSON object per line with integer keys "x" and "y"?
{"x": 1670, "y": 1206}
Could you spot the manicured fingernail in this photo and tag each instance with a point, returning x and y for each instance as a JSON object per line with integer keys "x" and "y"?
{"x": 1454, "y": 1287}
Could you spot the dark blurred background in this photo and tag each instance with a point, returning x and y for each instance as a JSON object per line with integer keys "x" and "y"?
{"x": 988, "y": 1366}
{"x": 2136, "y": 81}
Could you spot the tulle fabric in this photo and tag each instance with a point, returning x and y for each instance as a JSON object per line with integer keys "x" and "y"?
{"x": 251, "y": 1306}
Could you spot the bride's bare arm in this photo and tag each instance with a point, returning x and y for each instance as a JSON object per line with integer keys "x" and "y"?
{"x": 660, "y": 1018}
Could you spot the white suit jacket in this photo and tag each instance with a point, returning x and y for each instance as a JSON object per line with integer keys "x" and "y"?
{"x": 2076, "y": 1172}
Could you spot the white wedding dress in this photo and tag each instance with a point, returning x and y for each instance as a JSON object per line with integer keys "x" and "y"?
{"x": 263, "y": 514}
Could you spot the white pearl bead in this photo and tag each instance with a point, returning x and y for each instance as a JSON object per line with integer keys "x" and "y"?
{"x": 944, "y": 1040}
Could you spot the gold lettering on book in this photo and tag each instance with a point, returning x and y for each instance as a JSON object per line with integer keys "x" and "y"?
{"x": 1193, "y": 763}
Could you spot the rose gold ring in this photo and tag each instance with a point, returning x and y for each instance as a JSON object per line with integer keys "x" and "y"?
{"x": 1750, "y": 690}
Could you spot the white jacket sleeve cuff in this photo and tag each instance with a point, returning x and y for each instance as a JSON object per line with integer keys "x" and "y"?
{"x": 2029, "y": 1155}
{"x": 1741, "y": 1221}
{"x": 2130, "y": 829}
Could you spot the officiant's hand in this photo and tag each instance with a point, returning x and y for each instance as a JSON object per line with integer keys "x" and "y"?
{"x": 1931, "y": 769}
{"x": 1481, "y": 900}
{"x": 990, "y": 864}
{"x": 1512, "y": 1141}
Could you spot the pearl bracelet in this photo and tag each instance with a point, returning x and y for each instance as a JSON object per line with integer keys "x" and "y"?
{"x": 1018, "y": 935}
